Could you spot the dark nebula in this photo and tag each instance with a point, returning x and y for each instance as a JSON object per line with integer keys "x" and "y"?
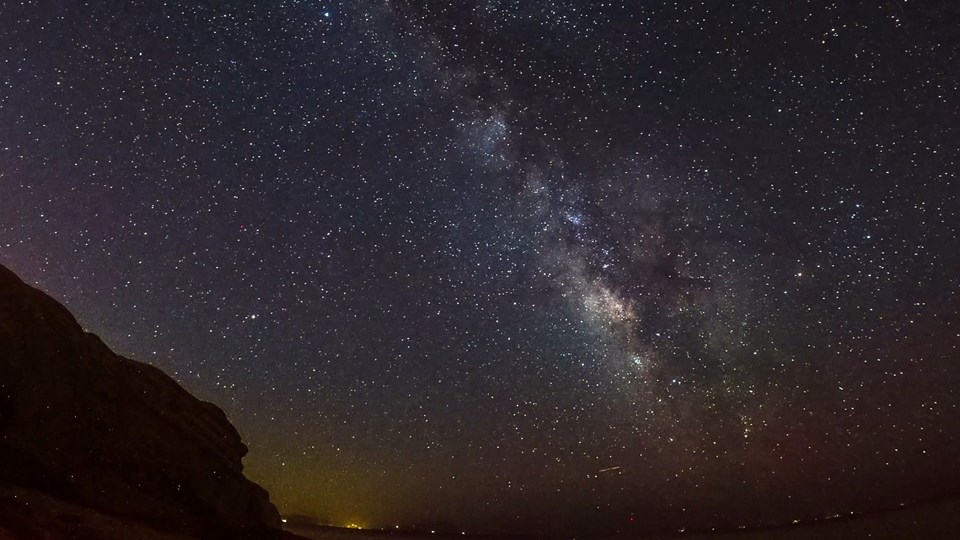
{"x": 514, "y": 266}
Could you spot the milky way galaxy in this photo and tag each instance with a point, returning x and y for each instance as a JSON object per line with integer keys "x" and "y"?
{"x": 514, "y": 266}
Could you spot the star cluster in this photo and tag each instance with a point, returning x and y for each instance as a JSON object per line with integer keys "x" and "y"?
{"x": 514, "y": 266}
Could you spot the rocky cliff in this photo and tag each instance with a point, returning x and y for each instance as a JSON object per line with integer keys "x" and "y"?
{"x": 94, "y": 430}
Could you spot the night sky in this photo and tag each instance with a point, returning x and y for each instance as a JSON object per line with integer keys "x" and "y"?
{"x": 514, "y": 265}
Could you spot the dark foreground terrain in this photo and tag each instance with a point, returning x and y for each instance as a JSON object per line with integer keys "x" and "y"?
{"x": 94, "y": 445}
{"x": 939, "y": 520}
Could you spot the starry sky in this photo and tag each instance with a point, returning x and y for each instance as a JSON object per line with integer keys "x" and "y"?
{"x": 514, "y": 265}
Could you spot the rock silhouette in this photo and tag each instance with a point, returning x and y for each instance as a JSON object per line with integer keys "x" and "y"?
{"x": 89, "y": 429}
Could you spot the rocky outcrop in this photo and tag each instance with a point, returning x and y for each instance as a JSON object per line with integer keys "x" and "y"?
{"x": 93, "y": 429}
